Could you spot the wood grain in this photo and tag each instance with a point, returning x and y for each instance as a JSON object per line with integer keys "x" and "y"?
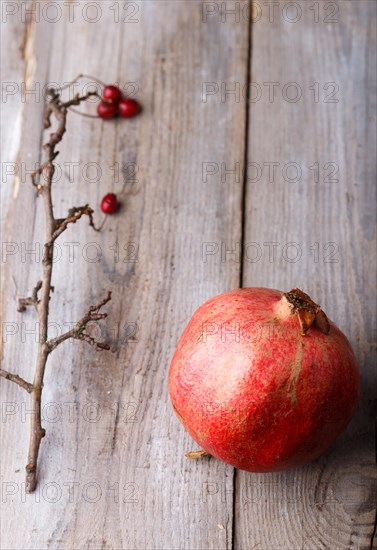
{"x": 121, "y": 480}
{"x": 330, "y": 503}
{"x": 112, "y": 468}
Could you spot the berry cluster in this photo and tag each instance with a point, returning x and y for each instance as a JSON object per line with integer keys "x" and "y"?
{"x": 113, "y": 104}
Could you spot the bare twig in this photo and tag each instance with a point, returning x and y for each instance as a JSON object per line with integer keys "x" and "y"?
{"x": 74, "y": 214}
{"x": 41, "y": 294}
{"x": 24, "y": 302}
{"x": 78, "y": 331}
{"x": 32, "y": 300}
{"x": 17, "y": 380}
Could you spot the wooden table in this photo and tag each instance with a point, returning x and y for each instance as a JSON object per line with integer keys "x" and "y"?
{"x": 252, "y": 164}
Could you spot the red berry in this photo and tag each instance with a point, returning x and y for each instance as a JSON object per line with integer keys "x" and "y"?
{"x": 106, "y": 110}
{"x": 109, "y": 203}
{"x": 128, "y": 108}
{"x": 111, "y": 93}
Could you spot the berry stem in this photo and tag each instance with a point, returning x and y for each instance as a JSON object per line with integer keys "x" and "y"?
{"x": 101, "y": 226}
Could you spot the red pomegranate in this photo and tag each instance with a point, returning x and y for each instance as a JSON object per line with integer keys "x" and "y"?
{"x": 262, "y": 380}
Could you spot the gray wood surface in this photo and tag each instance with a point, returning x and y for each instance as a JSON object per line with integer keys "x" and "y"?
{"x": 112, "y": 467}
{"x": 331, "y": 502}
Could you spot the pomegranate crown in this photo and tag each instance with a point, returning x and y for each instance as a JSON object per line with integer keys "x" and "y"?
{"x": 309, "y": 313}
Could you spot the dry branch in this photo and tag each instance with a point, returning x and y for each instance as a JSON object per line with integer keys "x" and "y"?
{"x": 40, "y": 297}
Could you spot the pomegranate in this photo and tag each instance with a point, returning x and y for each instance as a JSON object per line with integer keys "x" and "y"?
{"x": 262, "y": 380}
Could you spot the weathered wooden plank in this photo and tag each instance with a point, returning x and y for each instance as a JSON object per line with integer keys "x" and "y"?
{"x": 13, "y": 44}
{"x": 330, "y": 503}
{"x": 112, "y": 467}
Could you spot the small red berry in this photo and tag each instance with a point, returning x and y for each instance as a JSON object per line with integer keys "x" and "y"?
{"x": 128, "y": 107}
{"x": 109, "y": 203}
{"x": 111, "y": 93}
{"x": 106, "y": 110}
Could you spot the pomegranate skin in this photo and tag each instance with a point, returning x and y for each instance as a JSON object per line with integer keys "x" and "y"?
{"x": 255, "y": 392}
